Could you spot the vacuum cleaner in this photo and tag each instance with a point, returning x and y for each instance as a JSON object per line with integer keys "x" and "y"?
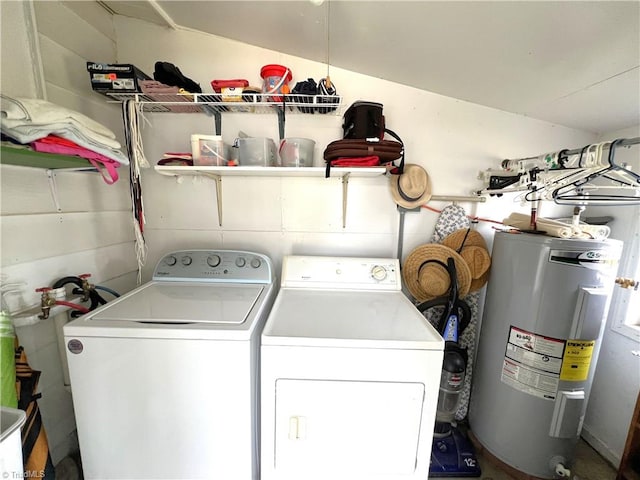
{"x": 452, "y": 455}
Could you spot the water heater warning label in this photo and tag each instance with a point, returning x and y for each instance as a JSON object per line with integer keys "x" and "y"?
{"x": 577, "y": 360}
{"x": 533, "y": 363}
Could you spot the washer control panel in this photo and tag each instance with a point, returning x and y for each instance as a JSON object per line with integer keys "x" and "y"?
{"x": 341, "y": 272}
{"x": 215, "y": 266}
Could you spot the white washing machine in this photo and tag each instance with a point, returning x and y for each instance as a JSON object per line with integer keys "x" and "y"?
{"x": 350, "y": 372}
{"x": 165, "y": 378}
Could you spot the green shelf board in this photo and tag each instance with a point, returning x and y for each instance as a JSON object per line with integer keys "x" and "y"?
{"x": 29, "y": 158}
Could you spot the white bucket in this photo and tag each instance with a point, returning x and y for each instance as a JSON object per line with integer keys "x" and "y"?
{"x": 11, "y": 420}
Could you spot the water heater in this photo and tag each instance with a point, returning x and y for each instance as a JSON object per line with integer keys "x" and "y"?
{"x": 544, "y": 315}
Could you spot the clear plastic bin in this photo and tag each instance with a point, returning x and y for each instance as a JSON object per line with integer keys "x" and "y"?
{"x": 257, "y": 152}
{"x": 208, "y": 150}
{"x": 296, "y": 152}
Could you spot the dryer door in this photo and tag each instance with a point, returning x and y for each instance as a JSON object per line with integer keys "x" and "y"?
{"x": 347, "y": 429}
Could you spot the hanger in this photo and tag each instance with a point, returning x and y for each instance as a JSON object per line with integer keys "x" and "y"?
{"x": 548, "y": 181}
{"x": 623, "y": 187}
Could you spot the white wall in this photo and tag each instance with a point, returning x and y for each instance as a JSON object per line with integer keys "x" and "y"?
{"x": 617, "y": 379}
{"x": 17, "y": 67}
{"x": 92, "y": 232}
{"x": 452, "y": 139}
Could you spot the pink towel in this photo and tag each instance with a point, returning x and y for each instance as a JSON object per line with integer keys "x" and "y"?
{"x": 62, "y": 146}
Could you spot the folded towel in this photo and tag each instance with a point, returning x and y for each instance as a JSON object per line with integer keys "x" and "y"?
{"x": 30, "y": 133}
{"x": 549, "y": 229}
{"x": 554, "y": 228}
{"x": 105, "y": 166}
{"x": 27, "y": 120}
{"x": 31, "y": 129}
{"x": 33, "y": 110}
{"x": 599, "y": 232}
{"x": 165, "y": 93}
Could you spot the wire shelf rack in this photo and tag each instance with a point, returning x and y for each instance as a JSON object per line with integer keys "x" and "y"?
{"x": 245, "y": 103}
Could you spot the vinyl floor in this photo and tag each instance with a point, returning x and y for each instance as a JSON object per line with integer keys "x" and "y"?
{"x": 589, "y": 465}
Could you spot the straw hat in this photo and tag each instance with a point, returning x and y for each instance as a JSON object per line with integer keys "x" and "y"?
{"x": 427, "y": 281}
{"x": 473, "y": 250}
{"x": 412, "y": 188}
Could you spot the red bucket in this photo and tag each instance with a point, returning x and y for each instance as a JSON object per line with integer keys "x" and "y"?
{"x": 275, "y": 79}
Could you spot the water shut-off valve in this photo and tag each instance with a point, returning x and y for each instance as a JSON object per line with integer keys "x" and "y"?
{"x": 562, "y": 471}
{"x": 557, "y": 463}
{"x": 47, "y": 300}
{"x": 86, "y": 286}
{"x": 628, "y": 283}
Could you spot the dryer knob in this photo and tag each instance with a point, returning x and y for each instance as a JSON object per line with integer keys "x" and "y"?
{"x": 240, "y": 262}
{"x": 213, "y": 260}
{"x": 186, "y": 260}
{"x": 255, "y": 263}
{"x": 379, "y": 272}
{"x": 170, "y": 260}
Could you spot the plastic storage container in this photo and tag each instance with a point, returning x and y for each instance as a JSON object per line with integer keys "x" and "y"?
{"x": 231, "y": 89}
{"x": 296, "y": 152}
{"x": 11, "y": 420}
{"x": 257, "y": 152}
{"x": 275, "y": 79}
{"x": 208, "y": 151}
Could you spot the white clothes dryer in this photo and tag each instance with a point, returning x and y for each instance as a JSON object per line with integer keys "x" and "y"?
{"x": 165, "y": 378}
{"x": 350, "y": 373}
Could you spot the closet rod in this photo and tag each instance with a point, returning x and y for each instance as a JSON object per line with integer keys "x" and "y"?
{"x": 457, "y": 198}
{"x": 626, "y": 142}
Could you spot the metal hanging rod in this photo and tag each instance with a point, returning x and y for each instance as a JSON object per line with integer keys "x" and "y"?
{"x": 457, "y": 198}
{"x": 627, "y": 142}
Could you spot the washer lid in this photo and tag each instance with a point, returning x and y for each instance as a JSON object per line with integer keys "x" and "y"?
{"x": 358, "y": 319}
{"x": 180, "y": 303}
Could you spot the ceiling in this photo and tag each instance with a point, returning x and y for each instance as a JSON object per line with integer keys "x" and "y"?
{"x": 567, "y": 62}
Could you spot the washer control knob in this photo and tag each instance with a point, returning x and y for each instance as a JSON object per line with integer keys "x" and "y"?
{"x": 379, "y": 273}
{"x": 240, "y": 262}
{"x": 255, "y": 263}
{"x": 213, "y": 260}
{"x": 170, "y": 260}
{"x": 186, "y": 260}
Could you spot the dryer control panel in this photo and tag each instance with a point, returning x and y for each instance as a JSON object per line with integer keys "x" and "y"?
{"x": 214, "y": 266}
{"x": 345, "y": 273}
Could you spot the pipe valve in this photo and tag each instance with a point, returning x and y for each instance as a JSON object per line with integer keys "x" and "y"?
{"x": 86, "y": 286}
{"x": 47, "y": 300}
{"x": 628, "y": 283}
{"x": 562, "y": 471}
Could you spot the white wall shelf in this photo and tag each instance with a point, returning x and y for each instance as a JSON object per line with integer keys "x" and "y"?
{"x": 214, "y": 104}
{"x": 270, "y": 171}
{"x": 216, "y": 173}
{"x": 50, "y": 161}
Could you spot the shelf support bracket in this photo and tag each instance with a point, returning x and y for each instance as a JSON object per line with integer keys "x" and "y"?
{"x": 280, "y": 111}
{"x": 53, "y": 188}
{"x": 345, "y": 191}
{"x": 217, "y": 120}
{"x": 218, "y": 182}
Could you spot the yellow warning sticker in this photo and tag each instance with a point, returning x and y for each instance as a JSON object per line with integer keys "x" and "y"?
{"x": 577, "y": 360}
